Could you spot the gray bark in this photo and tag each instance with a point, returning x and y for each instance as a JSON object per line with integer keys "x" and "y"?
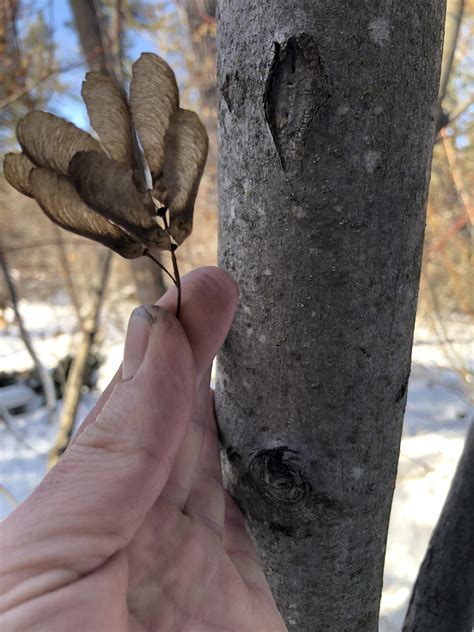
{"x": 443, "y": 597}
{"x": 326, "y": 126}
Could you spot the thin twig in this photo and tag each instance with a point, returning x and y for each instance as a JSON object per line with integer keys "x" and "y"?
{"x": 10, "y": 425}
{"x": 457, "y": 111}
{"x": 456, "y": 175}
{"x": 43, "y": 374}
{"x": 9, "y": 496}
{"x": 34, "y": 84}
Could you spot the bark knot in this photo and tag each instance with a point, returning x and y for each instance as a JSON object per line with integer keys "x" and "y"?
{"x": 276, "y": 476}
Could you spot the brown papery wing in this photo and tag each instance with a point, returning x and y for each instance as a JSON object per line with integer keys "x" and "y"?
{"x": 186, "y": 145}
{"x": 60, "y": 201}
{"x": 107, "y": 186}
{"x": 154, "y": 97}
{"x": 50, "y": 141}
{"x": 17, "y": 170}
{"x": 109, "y": 115}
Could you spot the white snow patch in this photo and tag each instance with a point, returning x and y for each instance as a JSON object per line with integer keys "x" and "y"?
{"x": 51, "y": 328}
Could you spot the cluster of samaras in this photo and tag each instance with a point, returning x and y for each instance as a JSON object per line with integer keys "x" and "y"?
{"x": 151, "y": 155}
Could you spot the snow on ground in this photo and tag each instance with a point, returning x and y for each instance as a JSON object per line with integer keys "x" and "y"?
{"x": 436, "y": 422}
{"x": 50, "y": 327}
{"x": 437, "y": 418}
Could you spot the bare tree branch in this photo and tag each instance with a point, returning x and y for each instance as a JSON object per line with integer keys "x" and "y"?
{"x": 454, "y": 15}
{"x": 44, "y": 376}
{"x": 75, "y": 379}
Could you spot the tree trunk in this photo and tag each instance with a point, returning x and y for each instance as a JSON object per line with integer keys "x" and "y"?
{"x": 148, "y": 280}
{"x": 326, "y": 130}
{"x": 443, "y": 597}
{"x": 199, "y": 14}
{"x": 90, "y": 36}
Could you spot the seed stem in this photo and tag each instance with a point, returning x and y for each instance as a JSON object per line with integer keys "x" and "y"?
{"x": 175, "y": 267}
{"x": 147, "y": 253}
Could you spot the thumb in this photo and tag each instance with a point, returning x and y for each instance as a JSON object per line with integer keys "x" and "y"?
{"x": 92, "y": 502}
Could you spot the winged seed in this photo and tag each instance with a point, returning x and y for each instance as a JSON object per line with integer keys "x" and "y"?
{"x": 109, "y": 115}
{"x": 17, "y": 169}
{"x": 186, "y": 145}
{"x": 60, "y": 201}
{"x": 154, "y": 97}
{"x": 107, "y": 186}
{"x": 50, "y": 141}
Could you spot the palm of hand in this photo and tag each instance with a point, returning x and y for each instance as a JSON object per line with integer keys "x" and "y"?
{"x": 192, "y": 567}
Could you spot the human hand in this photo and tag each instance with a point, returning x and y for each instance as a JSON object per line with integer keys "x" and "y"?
{"x": 132, "y": 529}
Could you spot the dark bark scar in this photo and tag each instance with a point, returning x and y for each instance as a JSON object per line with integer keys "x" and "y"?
{"x": 296, "y": 90}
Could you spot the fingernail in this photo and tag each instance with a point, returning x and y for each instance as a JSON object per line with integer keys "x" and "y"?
{"x": 136, "y": 341}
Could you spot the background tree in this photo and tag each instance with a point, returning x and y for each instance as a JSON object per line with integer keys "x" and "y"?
{"x": 29, "y": 69}
{"x": 325, "y": 146}
{"x": 442, "y": 599}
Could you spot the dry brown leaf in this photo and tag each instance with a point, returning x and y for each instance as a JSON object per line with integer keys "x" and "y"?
{"x": 107, "y": 187}
{"x": 51, "y": 142}
{"x": 186, "y": 146}
{"x": 17, "y": 169}
{"x": 60, "y": 201}
{"x": 154, "y": 97}
{"x": 109, "y": 115}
